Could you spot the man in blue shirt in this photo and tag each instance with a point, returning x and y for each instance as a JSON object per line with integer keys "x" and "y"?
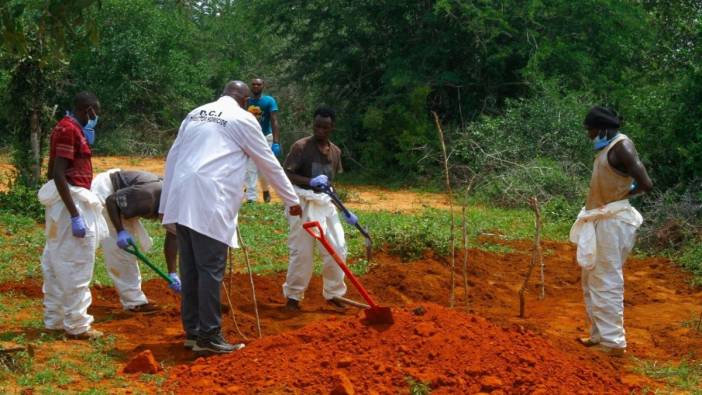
{"x": 265, "y": 109}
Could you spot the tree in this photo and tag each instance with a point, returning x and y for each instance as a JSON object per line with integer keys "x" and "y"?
{"x": 35, "y": 38}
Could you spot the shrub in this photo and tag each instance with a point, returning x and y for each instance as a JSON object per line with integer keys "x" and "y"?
{"x": 20, "y": 199}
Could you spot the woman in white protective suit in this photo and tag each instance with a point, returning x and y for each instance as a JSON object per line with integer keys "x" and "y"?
{"x": 312, "y": 163}
{"x": 605, "y": 231}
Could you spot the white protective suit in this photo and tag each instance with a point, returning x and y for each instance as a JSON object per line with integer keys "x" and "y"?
{"x": 210, "y": 154}
{"x": 315, "y": 207}
{"x": 252, "y": 176}
{"x": 122, "y": 266}
{"x": 67, "y": 262}
{"x": 604, "y": 237}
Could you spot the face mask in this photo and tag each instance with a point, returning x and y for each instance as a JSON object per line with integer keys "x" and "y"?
{"x": 89, "y": 130}
{"x": 602, "y": 141}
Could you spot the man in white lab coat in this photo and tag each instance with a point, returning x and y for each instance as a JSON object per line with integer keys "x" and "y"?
{"x": 202, "y": 192}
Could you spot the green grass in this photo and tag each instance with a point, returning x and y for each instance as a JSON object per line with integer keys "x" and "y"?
{"x": 683, "y": 376}
{"x": 264, "y": 230}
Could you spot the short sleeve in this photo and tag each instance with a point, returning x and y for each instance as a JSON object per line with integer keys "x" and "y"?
{"x": 64, "y": 140}
{"x": 293, "y": 162}
{"x": 273, "y": 105}
{"x": 339, "y": 168}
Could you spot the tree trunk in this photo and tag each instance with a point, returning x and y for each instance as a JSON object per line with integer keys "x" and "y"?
{"x": 35, "y": 143}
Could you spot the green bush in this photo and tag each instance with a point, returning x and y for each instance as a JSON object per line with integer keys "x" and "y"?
{"x": 537, "y": 148}
{"x": 20, "y": 199}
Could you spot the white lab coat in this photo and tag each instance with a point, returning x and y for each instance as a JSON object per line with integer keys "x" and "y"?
{"x": 67, "y": 261}
{"x": 605, "y": 236}
{"x": 204, "y": 182}
{"x": 122, "y": 267}
{"x": 315, "y": 207}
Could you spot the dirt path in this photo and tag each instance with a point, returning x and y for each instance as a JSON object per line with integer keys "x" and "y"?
{"x": 359, "y": 197}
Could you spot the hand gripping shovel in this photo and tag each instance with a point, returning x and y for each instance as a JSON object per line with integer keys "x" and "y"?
{"x": 375, "y": 315}
{"x": 134, "y": 250}
{"x": 337, "y": 202}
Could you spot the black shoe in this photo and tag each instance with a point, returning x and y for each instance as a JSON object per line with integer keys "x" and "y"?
{"x": 266, "y": 196}
{"x": 292, "y": 305}
{"x": 216, "y": 344}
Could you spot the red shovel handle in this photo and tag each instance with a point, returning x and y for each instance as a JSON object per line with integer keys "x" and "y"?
{"x": 319, "y": 235}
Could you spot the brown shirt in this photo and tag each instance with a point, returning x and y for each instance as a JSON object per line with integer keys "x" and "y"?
{"x": 306, "y": 159}
{"x": 137, "y": 193}
{"x": 607, "y": 184}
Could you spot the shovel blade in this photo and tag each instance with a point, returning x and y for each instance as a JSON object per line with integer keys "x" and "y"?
{"x": 379, "y": 316}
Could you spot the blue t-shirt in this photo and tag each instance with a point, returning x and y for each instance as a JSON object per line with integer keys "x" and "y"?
{"x": 262, "y": 108}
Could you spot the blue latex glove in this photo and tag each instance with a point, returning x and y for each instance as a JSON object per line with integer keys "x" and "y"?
{"x": 277, "y": 151}
{"x": 78, "y": 226}
{"x": 320, "y": 181}
{"x": 351, "y": 218}
{"x": 175, "y": 285}
{"x": 124, "y": 239}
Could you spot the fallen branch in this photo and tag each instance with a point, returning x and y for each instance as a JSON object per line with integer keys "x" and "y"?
{"x": 452, "y": 296}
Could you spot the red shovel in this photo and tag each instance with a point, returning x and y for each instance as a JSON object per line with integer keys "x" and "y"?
{"x": 375, "y": 315}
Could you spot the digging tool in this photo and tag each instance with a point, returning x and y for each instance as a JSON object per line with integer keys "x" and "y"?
{"x": 134, "y": 250}
{"x": 329, "y": 190}
{"x": 375, "y": 315}
{"x": 351, "y": 302}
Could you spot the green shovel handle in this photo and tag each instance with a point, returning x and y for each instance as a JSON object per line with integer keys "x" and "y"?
{"x": 134, "y": 250}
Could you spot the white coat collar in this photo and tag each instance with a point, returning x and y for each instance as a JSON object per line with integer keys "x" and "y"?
{"x": 228, "y": 99}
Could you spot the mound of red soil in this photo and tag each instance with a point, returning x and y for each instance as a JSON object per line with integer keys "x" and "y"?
{"x": 144, "y": 362}
{"x": 452, "y": 351}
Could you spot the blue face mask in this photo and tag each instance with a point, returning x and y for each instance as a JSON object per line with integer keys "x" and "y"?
{"x": 89, "y": 130}
{"x": 601, "y": 142}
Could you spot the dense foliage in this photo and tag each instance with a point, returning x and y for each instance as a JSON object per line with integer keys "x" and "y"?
{"x": 510, "y": 80}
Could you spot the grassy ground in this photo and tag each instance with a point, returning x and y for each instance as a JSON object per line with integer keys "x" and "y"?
{"x": 56, "y": 365}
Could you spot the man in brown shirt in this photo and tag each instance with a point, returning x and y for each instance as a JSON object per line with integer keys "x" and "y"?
{"x": 606, "y": 228}
{"x": 312, "y": 163}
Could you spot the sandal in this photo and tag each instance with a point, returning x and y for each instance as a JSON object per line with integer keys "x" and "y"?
{"x": 146, "y": 308}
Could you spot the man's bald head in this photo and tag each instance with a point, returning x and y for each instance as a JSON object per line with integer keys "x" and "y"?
{"x": 238, "y": 90}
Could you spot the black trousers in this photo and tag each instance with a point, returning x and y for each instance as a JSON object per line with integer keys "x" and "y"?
{"x": 202, "y": 262}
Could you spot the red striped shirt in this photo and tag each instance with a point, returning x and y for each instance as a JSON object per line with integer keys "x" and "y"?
{"x": 67, "y": 141}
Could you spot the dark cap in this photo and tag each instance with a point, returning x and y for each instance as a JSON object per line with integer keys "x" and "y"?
{"x": 601, "y": 118}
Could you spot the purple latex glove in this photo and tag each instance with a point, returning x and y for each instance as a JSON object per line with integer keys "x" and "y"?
{"x": 78, "y": 226}
{"x": 351, "y": 218}
{"x": 124, "y": 239}
{"x": 277, "y": 151}
{"x": 320, "y": 181}
{"x": 175, "y": 284}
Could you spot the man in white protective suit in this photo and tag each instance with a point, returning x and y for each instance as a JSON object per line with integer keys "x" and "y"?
{"x": 74, "y": 223}
{"x": 128, "y": 196}
{"x": 311, "y": 164}
{"x": 605, "y": 230}
{"x": 202, "y": 192}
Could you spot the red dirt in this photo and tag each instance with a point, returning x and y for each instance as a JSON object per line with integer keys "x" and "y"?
{"x": 453, "y": 351}
{"x": 144, "y": 362}
{"x": 658, "y": 300}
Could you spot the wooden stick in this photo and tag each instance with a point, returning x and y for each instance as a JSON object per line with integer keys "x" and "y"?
{"x": 452, "y": 296}
{"x": 537, "y": 246}
{"x": 465, "y": 257}
{"x": 535, "y": 256}
{"x": 253, "y": 287}
{"x": 226, "y": 293}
